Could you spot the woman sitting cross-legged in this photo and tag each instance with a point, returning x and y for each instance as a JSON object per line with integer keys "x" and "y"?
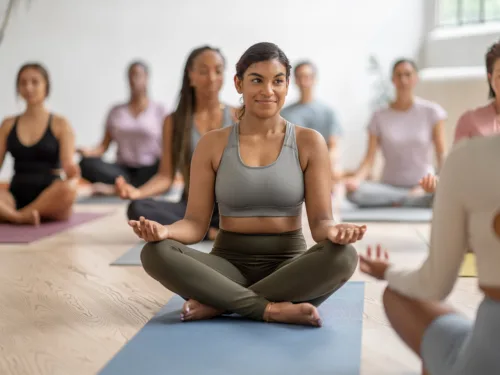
{"x": 259, "y": 171}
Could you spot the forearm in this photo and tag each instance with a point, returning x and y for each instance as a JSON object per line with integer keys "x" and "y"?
{"x": 320, "y": 230}
{"x": 440, "y": 156}
{"x": 186, "y": 231}
{"x": 158, "y": 184}
{"x": 334, "y": 158}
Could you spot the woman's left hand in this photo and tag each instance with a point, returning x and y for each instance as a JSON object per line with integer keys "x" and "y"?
{"x": 374, "y": 266}
{"x": 344, "y": 234}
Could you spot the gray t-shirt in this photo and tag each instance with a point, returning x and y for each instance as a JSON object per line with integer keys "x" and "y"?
{"x": 314, "y": 115}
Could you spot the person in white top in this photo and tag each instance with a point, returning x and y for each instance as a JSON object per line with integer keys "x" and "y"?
{"x": 466, "y": 214}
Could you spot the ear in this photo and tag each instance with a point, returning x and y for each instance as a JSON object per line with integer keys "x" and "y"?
{"x": 287, "y": 86}
{"x": 238, "y": 84}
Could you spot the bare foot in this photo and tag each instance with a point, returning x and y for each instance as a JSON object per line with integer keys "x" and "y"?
{"x": 29, "y": 218}
{"x": 193, "y": 310}
{"x": 103, "y": 189}
{"x": 287, "y": 312}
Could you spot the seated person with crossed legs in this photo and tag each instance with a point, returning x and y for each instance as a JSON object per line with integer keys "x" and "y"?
{"x": 259, "y": 171}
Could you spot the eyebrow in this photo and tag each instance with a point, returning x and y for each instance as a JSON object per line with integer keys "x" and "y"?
{"x": 261, "y": 76}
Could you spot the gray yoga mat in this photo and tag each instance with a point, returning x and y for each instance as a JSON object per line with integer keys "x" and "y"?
{"x": 235, "y": 346}
{"x": 387, "y": 214}
{"x": 133, "y": 256}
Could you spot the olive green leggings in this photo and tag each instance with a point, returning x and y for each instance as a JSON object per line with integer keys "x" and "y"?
{"x": 244, "y": 272}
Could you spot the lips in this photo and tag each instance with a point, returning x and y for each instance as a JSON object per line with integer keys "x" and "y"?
{"x": 266, "y": 101}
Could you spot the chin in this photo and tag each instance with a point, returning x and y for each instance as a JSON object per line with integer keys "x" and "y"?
{"x": 264, "y": 115}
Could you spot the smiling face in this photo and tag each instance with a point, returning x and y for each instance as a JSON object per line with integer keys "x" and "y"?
{"x": 264, "y": 87}
{"x": 206, "y": 75}
{"x": 32, "y": 85}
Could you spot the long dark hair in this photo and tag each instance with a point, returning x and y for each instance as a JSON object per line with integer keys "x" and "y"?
{"x": 263, "y": 51}
{"x": 492, "y": 56}
{"x": 182, "y": 119}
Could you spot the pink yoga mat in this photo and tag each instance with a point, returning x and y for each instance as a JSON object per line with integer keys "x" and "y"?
{"x": 25, "y": 234}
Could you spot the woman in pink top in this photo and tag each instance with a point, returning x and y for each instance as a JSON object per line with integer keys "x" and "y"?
{"x": 407, "y": 132}
{"x": 136, "y": 127}
{"x": 481, "y": 121}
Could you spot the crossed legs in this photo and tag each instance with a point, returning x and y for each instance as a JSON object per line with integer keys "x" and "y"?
{"x": 54, "y": 203}
{"x": 214, "y": 285}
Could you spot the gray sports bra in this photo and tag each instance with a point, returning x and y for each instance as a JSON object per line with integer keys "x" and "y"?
{"x": 276, "y": 189}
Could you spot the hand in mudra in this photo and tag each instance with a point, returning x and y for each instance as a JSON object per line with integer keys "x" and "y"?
{"x": 429, "y": 183}
{"x": 125, "y": 190}
{"x": 148, "y": 230}
{"x": 346, "y": 233}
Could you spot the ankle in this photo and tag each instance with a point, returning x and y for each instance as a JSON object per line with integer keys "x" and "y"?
{"x": 268, "y": 312}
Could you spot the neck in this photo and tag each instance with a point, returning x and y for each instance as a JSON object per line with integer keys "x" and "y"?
{"x": 496, "y": 103}
{"x": 306, "y": 96}
{"x": 254, "y": 125}
{"x": 403, "y": 101}
{"x": 35, "y": 110}
{"x": 207, "y": 103}
{"x": 138, "y": 98}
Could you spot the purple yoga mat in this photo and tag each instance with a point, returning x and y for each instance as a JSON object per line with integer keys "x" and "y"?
{"x": 25, "y": 234}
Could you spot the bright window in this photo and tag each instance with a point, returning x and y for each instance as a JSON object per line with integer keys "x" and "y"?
{"x": 466, "y": 12}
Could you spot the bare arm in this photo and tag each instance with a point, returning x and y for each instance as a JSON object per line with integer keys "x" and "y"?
{"x": 162, "y": 180}
{"x": 4, "y": 132}
{"x": 333, "y": 152}
{"x": 314, "y": 154}
{"x": 66, "y": 139}
{"x": 439, "y": 143}
{"x": 201, "y": 199}
{"x": 367, "y": 164}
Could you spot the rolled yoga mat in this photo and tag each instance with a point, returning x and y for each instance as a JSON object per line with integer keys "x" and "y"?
{"x": 10, "y": 233}
{"x": 132, "y": 257}
{"x": 235, "y": 346}
{"x": 387, "y": 214}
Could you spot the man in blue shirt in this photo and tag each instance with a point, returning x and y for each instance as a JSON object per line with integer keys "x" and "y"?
{"x": 312, "y": 113}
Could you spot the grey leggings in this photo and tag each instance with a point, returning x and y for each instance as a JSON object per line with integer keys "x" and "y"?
{"x": 376, "y": 194}
{"x": 245, "y": 272}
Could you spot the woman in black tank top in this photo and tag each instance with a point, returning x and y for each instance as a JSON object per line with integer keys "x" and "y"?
{"x": 40, "y": 144}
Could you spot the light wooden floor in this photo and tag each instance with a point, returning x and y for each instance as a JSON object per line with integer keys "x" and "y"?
{"x": 64, "y": 310}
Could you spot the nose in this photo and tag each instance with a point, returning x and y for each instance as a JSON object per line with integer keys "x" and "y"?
{"x": 212, "y": 77}
{"x": 267, "y": 89}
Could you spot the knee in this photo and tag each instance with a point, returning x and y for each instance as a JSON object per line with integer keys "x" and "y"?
{"x": 67, "y": 191}
{"x": 155, "y": 254}
{"x": 342, "y": 259}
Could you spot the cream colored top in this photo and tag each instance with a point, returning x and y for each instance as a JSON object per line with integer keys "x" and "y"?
{"x": 466, "y": 204}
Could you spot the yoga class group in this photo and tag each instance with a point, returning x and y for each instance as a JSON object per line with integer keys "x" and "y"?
{"x": 249, "y": 177}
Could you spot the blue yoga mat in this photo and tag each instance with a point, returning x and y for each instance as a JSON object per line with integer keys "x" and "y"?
{"x": 235, "y": 346}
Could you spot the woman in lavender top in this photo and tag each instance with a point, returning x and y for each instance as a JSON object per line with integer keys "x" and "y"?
{"x": 136, "y": 128}
{"x": 407, "y": 132}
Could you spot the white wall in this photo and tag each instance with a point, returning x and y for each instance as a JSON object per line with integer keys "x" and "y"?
{"x": 86, "y": 46}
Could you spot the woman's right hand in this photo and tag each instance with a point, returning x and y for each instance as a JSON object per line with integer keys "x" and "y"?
{"x": 352, "y": 183}
{"x": 148, "y": 230}
{"x": 125, "y": 190}
{"x": 429, "y": 183}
